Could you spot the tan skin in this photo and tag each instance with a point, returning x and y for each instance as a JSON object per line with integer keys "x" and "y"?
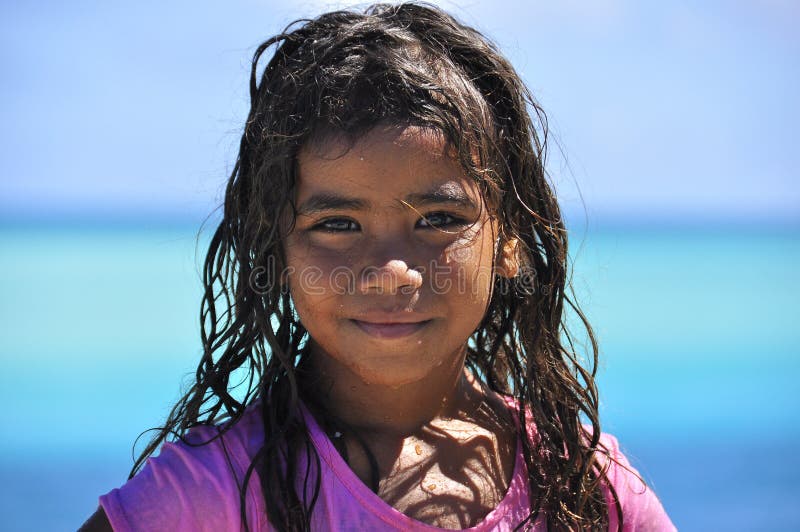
{"x": 392, "y": 259}
{"x": 451, "y": 470}
{"x": 402, "y": 230}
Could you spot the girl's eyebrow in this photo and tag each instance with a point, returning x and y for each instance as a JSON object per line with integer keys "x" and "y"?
{"x": 327, "y": 201}
{"x": 445, "y": 195}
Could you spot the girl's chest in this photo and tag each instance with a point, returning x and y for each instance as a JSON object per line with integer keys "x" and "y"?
{"x": 445, "y": 481}
{"x": 446, "y": 499}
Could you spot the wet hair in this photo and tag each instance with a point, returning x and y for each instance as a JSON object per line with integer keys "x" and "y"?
{"x": 342, "y": 74}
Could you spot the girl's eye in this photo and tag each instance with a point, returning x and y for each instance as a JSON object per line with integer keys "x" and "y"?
{"x": 439, "y": 220}
{"x": 336, "y": 225}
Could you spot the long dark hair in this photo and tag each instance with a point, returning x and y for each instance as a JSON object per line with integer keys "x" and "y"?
{"x": 342, "y": 73}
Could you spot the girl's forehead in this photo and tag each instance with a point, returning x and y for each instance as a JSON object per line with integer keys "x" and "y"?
{"x": 332, "y": 146}
{"x": 390, "y": 165}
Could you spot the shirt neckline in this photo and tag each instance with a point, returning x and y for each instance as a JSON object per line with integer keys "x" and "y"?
{"x": 384, "y": 511}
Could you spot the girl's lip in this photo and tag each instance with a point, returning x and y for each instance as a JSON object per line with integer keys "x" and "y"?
{"x": 391, "y": 329}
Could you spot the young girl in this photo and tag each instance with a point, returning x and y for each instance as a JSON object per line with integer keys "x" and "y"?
{"x": 383, "y": 318}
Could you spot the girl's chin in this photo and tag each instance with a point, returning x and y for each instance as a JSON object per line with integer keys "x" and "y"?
{"x": 393, "y": 378}
{"x": 392, "y": 370}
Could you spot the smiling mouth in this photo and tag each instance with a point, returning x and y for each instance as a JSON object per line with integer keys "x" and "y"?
{"x": 390, "y": 330}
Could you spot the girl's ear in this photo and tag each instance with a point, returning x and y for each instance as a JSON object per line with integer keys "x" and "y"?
{"x": 508, "y": 262}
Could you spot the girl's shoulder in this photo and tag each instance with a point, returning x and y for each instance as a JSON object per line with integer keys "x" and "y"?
{"x": 641, "y": 508}
{"x": 194, "y": 483}
{"x": 244, "y": 436}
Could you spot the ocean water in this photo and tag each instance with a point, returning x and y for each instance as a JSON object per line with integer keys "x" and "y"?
{"x": 700, "y": 349}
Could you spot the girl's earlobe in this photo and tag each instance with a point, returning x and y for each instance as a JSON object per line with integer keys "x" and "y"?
{"x": 508, "y": 261}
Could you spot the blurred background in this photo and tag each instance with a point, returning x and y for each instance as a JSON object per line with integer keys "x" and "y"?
{"x": 675, "y": 159}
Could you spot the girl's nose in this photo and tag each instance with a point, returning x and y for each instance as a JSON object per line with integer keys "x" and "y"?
{"x": 392, "y": 277}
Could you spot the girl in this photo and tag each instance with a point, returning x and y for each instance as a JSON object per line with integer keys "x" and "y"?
{"x": 383, "y": 318}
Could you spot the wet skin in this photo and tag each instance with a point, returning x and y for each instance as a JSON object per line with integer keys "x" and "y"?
{"x": 391, "y": 262}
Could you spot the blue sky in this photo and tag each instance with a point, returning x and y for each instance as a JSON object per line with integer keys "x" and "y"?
{"x": 664, "y": 110}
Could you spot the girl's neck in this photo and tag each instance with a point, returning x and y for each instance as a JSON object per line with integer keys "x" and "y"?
{"x": 442, "y": 435}
{"x": 382, "y": 409}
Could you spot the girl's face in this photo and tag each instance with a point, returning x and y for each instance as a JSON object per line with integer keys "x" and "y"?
{"x": 390, "y": 260}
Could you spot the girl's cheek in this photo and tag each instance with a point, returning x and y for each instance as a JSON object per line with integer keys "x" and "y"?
{"x": 319, "y": 273}
{"x": 472, "y": 249}
{"x": 459, "y": 254}
{"x": 464, "y": 265}
{"x": 310, "y": 252}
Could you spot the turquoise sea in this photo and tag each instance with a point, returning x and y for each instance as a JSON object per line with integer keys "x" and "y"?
{"x": 698, "y": 330}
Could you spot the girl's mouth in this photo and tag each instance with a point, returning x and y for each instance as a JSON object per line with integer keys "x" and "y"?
{"x": 390, "y": 330}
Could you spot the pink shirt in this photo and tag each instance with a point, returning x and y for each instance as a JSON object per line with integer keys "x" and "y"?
{"x": 189, "y": 488}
